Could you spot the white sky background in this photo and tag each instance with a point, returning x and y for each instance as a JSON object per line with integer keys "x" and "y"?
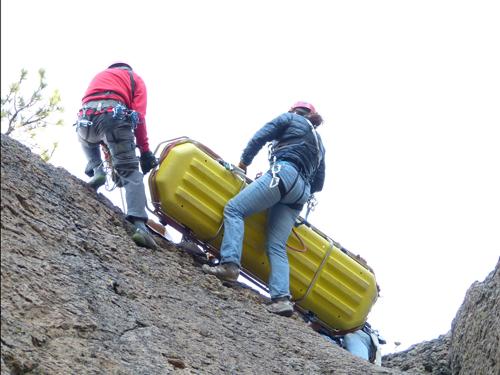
{"x": 410, "y": 94}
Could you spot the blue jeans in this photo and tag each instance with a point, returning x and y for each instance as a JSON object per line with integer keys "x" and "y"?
{"x": 358, "y": 343}
{"x": 256, "y": 197}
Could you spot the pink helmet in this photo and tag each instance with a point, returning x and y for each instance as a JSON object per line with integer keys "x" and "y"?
{"x": 306, "y": 105}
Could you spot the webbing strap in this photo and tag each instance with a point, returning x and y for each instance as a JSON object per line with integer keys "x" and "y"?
{"x": 132, "y": 83}
{"x": 283, "y": 192}
{"x": 84, "y": 112}
{"x": 318, "y": 271}
{"x": 313, "y": 129}
{"x": 281, "y": 187}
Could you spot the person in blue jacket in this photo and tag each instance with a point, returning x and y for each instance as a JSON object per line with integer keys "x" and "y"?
{"x": 297, "y": 170}
{"x": 364, "y": 342}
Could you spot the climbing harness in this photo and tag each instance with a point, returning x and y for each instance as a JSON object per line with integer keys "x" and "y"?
{"x": 275, "y": 168}
{"x": 276, "y": 181}
{"x": 118, "y": 110}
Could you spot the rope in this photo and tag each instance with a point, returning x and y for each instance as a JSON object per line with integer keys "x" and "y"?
{"x": 111, "y": 172}
{"x": 123, "y": 200}
{"x": 304, "y": 247}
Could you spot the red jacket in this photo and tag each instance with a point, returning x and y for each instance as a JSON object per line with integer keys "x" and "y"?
{"x": 117, "y": 84}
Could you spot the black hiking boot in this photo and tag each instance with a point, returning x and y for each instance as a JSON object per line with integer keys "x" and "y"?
{"x": 98, "y": 179}
{"x": 141, "y": 235}
{"x": 143, "y": 239}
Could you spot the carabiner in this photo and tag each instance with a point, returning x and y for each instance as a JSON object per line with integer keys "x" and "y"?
{"x": 274, "y": 182}
{"x": 275, "y": 168}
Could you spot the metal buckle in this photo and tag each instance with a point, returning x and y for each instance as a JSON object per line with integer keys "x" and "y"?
{"x": 275, "y": 168}
{"x": 84, "y": 123}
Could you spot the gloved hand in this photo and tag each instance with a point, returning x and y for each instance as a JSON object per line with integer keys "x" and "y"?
{"x": 148, "y": 161}
{"x": 242, "y": 166}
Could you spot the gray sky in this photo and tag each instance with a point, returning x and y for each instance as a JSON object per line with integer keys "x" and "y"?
{"x": 409, "y": 94}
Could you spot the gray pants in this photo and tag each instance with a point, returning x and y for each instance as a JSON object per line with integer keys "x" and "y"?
{"x": 119, "y": 137}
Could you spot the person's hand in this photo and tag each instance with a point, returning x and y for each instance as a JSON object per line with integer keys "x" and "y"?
{"x": 148, "y": 161}
{"x": 242, "y": 166}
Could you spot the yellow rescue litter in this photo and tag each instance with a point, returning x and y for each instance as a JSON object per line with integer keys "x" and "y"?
{"x": 189, "y": 190}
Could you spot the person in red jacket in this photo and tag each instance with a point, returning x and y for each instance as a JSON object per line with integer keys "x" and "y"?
{"x": 113, "y": 112}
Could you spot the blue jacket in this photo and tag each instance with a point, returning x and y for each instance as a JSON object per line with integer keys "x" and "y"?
{"x": 293, "y": 141}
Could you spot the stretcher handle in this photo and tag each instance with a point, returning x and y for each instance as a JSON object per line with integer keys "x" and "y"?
{"x": 317, "y": 273}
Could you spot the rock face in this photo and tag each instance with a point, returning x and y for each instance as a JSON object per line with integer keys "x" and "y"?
{"x": 472, "y": 345}
{"x": 78, "y": 297}
{"x": 429, "y": 357}
{"x": 476, "y": 329}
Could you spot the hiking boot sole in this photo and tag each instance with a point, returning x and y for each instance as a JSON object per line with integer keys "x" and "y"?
{"x": 287, "y": 313}
{"x": 283, "y": 310}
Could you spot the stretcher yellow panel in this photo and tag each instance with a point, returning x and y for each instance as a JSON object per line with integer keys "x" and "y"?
{"x": 190, "y": 189}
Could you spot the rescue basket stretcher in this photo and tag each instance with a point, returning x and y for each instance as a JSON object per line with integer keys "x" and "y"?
{"x": 189, "y": 190}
